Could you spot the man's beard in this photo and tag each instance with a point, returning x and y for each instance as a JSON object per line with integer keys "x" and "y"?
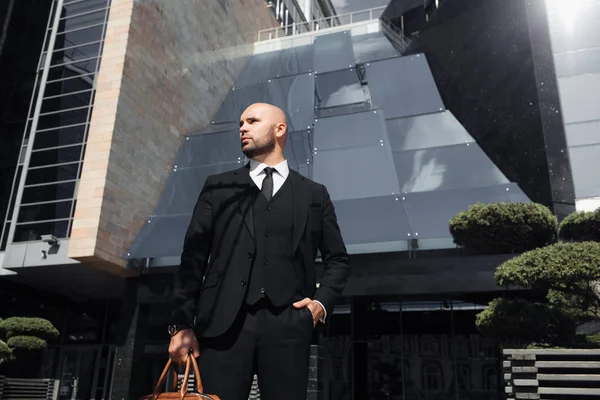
{"x": 259, "y": 149}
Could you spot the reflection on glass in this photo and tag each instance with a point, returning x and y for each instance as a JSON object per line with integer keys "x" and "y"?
{"x": 372, "y": 47}
{"x": 29, "y": 232}
{"x": 445, "y": 168}
{"x": 372, "y": 220}
{"x": 585, "y": 163}
{"x": 338, "y": 88}
{"x": 426, "y": 131}
{"x": 403, "y": 86}
{"x": 274, "y": 64}
{"x": 333, "y": 52}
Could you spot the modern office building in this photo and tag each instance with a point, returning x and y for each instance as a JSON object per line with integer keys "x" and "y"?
{"x": 116, "y": 111}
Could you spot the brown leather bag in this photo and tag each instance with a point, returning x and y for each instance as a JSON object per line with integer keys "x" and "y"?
{"x": 183, "y": 393}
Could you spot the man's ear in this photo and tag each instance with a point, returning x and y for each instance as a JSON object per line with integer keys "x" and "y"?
{"x": 280, "y": 129}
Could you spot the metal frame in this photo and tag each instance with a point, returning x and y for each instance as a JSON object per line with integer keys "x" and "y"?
{"x": 28, "y": 142}
{"x": 318, "y": 24}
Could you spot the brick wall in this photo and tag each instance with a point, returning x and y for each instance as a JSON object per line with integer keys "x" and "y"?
{"x": 166, "y": 68}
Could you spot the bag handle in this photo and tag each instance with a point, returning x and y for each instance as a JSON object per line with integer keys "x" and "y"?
{"x": 189, "y": 362}
{"x": 197, "y": 380}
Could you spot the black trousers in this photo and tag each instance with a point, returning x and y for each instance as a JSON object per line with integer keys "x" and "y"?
{"x": 272, "y": 342}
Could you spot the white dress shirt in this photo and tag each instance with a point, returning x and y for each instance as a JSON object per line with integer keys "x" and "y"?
{"x": 282, "y": 171}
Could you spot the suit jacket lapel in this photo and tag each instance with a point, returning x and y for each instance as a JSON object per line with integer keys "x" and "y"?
{"x": 243, "y": 188}
{"x": 301, "y": 201}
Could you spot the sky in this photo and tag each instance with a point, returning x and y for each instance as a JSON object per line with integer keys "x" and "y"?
{"x": 346, "y": 6}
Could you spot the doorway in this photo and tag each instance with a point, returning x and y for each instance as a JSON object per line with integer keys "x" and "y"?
{"x": 85, "y": 372}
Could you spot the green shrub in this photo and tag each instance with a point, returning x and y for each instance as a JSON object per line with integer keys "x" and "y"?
{"x": 581, "y": 227}
{"x": 29, "y": 343}
{"x": 518, "y": 322}
{"x": 21, "y": 326}
{"x": 504, "y": 227}
{"x": 565, "y": 267}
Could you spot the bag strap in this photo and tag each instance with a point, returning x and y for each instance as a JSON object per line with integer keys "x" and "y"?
{"x": 197, "y": 379}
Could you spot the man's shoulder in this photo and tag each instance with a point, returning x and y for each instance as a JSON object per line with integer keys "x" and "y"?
{"x": 227, "y": 175}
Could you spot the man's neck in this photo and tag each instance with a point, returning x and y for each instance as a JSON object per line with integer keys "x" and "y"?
{"x": 270, "y": 159}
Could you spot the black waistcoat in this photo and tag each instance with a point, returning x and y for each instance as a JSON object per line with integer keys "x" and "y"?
{"x": 274, "y": 272}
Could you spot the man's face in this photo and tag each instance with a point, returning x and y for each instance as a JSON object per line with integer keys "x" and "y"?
{"x": 257, "y": 132}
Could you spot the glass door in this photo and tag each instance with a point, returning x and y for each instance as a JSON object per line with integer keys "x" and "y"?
{"x": 78, "y": 372}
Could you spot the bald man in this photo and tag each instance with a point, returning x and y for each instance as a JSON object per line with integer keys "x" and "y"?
{"x": 245, "y": 293}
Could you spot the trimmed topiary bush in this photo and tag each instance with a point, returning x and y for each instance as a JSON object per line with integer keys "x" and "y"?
{"x": 520, "y": 322}
{"x": 581, "y": 227}
{"x": 21, "y": 326}
{"x": 28, "y": 343}
{"x": 564, "y": 277}
{"x": 504, "y": 227}
{"x": 564, "y": 267}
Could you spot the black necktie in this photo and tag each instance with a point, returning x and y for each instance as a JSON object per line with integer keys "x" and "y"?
{"x": 267, "y": 185}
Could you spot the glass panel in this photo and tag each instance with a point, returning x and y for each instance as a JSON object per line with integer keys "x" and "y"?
{"x": 184, "y": 186}
{"x": 332, "y": 52}
{"x": 73, "y": 83}
{"x": 52, "y": 192}
{"x": 55, "y": 156}
{"x": 340, "y": 142}
{"x": 445, "y": 168}
{"x": 81, "y": 36}
{"x": 24, "y": 233}
{"x": 83, "y": 66}
{"x": 52, "y": 174}
{"x": 67, "y": 102}
{"x": 162, "y": 237}
{"x": 372, "y": 220}
{"x": 294, "y": 95}
{"x": 585, "y": 61}
{"x": 429, "y": 212}
{"x": 275, "y": 64}
{"x": 61, "y": 56}
{"x": 425, "y": 131}
{"x": 43, "y": 212}
{"x": 298, "y": 152}
{"x": 583, "y": 133}
{"x": 83, "y": 6}
{"x": 565, "y": 38}
{"x": 403, "y": 87}
{"x": 89, "y": 17}
{"x": 372, "y": 47}
{"x": 338, "y": 88}
{"x": 60, "y": 137}
{"x": 578, "y": 95}
{"x": 210, "y": 149}
{"x": 585, "y": 165}
{"x": 351, "y": 131}
{"x": 64, "y": 118}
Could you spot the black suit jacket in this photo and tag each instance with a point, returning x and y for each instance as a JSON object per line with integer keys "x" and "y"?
{"x": 219, "y": 249}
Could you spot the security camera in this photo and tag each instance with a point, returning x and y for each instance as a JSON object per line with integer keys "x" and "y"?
{"x": 50, "y": 239}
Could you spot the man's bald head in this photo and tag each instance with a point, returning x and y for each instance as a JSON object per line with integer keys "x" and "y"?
{"x": 263, "y": 131}
{"x": 273, "y": 113}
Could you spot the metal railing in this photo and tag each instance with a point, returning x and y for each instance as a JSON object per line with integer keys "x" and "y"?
{"x": 315, "y": 25}
{"x": 394, "y": 33}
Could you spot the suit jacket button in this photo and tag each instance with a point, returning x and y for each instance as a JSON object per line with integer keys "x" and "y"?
{"x": 243, "y": 282}
{"x": 250, "y": 254}
{"x": 262, "y": 290}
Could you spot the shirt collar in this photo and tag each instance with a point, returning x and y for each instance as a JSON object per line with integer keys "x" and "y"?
{"x": 256, "y": 168}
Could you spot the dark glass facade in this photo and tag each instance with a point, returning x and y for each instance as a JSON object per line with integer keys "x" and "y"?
{"x": 493, "y": 66}
{"x": 23, "y": 27}
{"x": 61, "y": 123}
